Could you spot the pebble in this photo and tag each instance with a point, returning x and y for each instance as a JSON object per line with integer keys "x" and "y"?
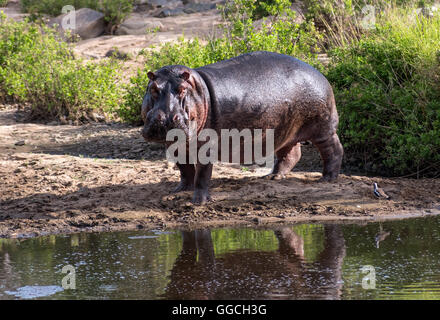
{"x": 20, "y": 143}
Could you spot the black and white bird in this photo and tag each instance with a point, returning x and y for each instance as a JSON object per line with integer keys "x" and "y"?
{"x": 379, "y": 193}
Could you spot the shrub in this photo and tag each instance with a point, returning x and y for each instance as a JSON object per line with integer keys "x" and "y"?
{"x": 115, "y": 11}
{"x": 54, "y": 7}
{"x": 37, "y": 69}
{"x": 259, "y": 8}
{"x": 386, "y": 88}
{"x": 282, "y": 34}
{"x": 342, "y": 20}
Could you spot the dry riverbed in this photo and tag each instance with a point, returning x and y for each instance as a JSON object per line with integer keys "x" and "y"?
{"x": 103, "y": 177}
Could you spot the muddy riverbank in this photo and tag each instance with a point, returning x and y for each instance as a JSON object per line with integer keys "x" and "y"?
{"x": 103, "y": 177}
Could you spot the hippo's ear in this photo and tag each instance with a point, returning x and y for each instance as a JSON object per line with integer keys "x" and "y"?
{"x": 151, "y": 75}
{"x": 185, "y": 75}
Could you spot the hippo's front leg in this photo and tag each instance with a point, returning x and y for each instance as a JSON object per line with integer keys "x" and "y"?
{"x": 201, "y": 183}
{"x": 187, "y": 175}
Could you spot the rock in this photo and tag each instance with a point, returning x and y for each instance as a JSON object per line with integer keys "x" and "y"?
{"x": 158, "y": 3}
{"x": 137, "y": 24}
{"x": 149, "y": 5}
{"x": 115, "y": 53}
{"x": 169, "y": 13}
{"x": 88, "y": 23}
{"x": 98, "y": 117}
{"x": 428, "y": 12}
{"x": 198, "y": 7}
{"x": 196, "y": 1}
{"x": 300, "y": 17}
{"x": 20, "y": 143}
{"x": 258, "y": 24}
{"x": 12, "y": 10}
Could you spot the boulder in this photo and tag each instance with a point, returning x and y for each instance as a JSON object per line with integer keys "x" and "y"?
{"x": 197, "y": 1}
{"x": 158, "y": 3}
{"x": 117, "y": 54}
{"x": 169, "y": 12}
{"x": 198, "y": 7}
{"x": 88, "y": 23}
{"x": 12, "y": 10}
{"x": 298, "y": 8}
{"x": 153, "y": 5}
{"x": 137, "y": 24}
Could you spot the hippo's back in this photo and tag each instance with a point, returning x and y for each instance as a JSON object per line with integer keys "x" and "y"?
{"x": 265, "y": 71}
{"x": 257, "y": 84}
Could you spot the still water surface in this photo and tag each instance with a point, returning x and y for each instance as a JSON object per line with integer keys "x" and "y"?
{"x": 306, "y": 261}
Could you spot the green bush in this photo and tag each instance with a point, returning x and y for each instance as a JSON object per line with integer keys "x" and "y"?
{"x": 37, "y": 69}
{"x": 342, "y": 20}
{"x": 115, "y": 11}
{"x": 54, "y": 7}
{"x": 281, "y": 35}
{"x": 386, "y": 88}
{"x": 259, "y": 8}
{"x": 3, "y": 3}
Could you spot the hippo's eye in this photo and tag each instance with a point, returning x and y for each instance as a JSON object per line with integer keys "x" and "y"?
{"x": 181, "y": 91}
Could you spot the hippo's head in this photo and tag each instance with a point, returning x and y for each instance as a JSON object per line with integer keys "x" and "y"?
{"x": 173, "y": 99}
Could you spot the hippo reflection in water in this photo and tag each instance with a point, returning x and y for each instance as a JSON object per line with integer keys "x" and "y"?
{"x": 199, "y": 274}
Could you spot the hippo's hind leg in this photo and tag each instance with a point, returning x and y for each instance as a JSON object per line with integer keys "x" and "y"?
{"x": 187, "y": 175}
{"x": 331, "y": 152}
{"x": 287, "y": 158}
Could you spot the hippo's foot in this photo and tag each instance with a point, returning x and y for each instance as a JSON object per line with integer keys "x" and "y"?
{"x": 184, "y": 186}
{"x": 328, "y": 178}
{"x": 187, "y": 173}
{"x": 331, "y": 152}
{"x": 287, "y": 158}
{"x": 274, "y": 176}
{"x": 201, "y": 196}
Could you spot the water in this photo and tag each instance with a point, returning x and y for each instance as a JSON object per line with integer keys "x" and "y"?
{"x": 306, "y": 261}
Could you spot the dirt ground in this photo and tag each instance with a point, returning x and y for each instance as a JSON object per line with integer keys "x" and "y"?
{"x": 103, "y": 177}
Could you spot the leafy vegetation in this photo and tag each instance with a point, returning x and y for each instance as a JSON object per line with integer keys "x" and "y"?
{"x": 37, "y": 69}
{"x": 115, "y": 11}
{"x": 386, "y": 88}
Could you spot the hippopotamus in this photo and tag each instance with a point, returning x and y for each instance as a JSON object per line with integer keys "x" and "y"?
{"x": 258, "y": 90}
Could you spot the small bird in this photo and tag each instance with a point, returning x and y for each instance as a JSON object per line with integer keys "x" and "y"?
{"x": 379, "y": 193}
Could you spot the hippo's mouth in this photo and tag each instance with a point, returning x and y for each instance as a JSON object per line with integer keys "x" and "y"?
{"x": 159, "y": 135}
